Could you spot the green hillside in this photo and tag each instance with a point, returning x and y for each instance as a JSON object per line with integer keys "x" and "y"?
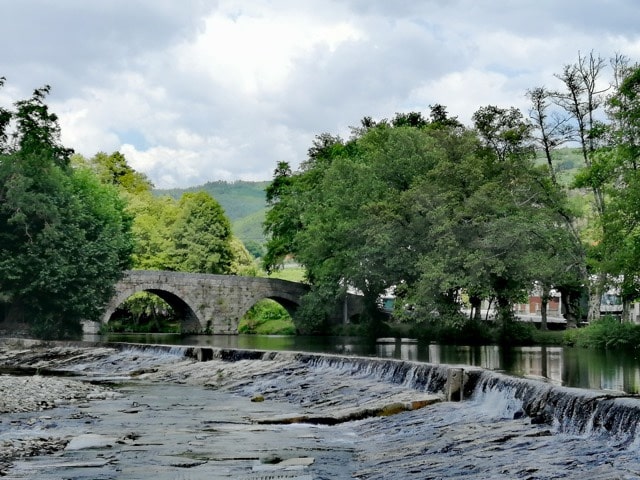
{"x": 243, "y": 202}
{"x": 566, "y": 162}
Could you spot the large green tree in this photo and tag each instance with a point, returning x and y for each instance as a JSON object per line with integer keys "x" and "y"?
{"x": 429, "y": 207}
{"x": 64, "y": 236}
{"x": 201, "y": 236}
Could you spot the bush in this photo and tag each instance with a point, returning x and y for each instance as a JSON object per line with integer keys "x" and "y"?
{"x": 516, "y": 333}
{"x": 457, "y": 330}
{"x": 267, "y": 317}
{"x": 606, "y": 333}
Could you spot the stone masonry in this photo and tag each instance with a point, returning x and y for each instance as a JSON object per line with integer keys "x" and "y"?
{"x": 208, "y": 303}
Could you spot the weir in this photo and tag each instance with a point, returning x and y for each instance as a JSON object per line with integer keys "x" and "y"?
{"x": 610, "y": 415}
{"x": 241, "y": 413}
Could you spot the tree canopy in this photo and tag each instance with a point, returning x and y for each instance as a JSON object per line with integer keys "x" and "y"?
{"x": 429, "y": 208}
{"x": 64, "y": 236}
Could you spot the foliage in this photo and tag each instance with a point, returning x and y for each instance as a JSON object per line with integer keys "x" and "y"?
{"x": 153, "y": 224}
{"x": 267, "y": 317}
{"x": 242, "y": 262}
{"x": 144, "y": 313}
{"x": 606, "y": 333}
{"x": 64, "y": 236}
{"x": 114, "y": 170}
{"x": 201, "y": 236}
{"x": 435, "y": 208}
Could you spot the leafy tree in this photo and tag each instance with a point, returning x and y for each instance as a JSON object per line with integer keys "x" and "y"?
{"x": 504, "y": 131}
{"x": 243, "y": 262}
{"x": 114, "y": 169}
{"x": 64, "y": 237}
{"x": 614, "y": 170}
{"x": 152, "y": 229}
{"x": 282, "y": 220}
{"x": 201, "y": 235}
{"x": 433, "y": 209}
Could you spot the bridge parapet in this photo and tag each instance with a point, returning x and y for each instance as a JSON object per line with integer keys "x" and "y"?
{"x": 214, "y": 303}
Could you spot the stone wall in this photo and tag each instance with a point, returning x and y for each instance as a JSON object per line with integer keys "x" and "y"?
{"x": 211, "y": 303}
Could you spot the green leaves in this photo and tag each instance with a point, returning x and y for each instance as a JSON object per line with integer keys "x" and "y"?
{"x": 431, "y": 209}
{"x": 64, "y": 237}
{"x": 64, "y": 242}
{"x": 201, "y": 236}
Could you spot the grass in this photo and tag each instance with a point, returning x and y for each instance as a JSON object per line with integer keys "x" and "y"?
{"x": 267, "y": 317}
{"x": 290, "y": 272}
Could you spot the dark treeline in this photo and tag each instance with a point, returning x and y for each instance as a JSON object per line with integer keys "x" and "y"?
{"x": 448, "y": 215}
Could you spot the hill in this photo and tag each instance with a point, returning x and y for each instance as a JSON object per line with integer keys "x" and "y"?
{"x": 243, "y": 202}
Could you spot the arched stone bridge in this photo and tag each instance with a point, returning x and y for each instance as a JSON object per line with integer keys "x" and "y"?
{"x": 214, "y": 303}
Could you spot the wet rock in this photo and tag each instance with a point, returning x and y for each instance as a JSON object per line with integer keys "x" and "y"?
{"x": 541, "y": 419}
{"x": 90, "y": 440}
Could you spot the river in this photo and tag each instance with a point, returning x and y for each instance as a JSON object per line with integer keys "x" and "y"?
{"x": 178, "y": 418}
{"x": 571, "y": 367}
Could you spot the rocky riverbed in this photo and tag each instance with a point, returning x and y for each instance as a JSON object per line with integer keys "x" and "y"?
{"x": 96, "y": 412}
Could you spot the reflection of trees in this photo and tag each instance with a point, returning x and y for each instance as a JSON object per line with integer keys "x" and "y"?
{"x": 581, "y": 368}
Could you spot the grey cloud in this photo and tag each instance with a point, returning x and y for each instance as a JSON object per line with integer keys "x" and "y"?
{"x": 66, "y": 42}
{"x": 79, "y": 46}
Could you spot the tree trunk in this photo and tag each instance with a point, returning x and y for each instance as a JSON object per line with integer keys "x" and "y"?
{"x": 476, "y": 308}
{"x": 595, "y": 297}
{"x": 505, "y": 310}
{"x": 570, "y": 307}
{"x": 626, "y": 309}
{"x": 544, "y": 303}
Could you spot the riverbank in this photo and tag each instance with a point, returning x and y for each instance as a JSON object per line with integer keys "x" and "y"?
{"x": 176, "y": 412}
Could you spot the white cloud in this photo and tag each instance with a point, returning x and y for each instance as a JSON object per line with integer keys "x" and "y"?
{"x": 255, "y": 53}
{"x": 196, "y": 91}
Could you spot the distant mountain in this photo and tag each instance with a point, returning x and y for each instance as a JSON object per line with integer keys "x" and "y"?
{"x": 243, "y": 202}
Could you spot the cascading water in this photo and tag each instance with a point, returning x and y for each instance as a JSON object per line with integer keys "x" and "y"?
{"x": 348, "y": 420}
{"x": 569, "y": 410}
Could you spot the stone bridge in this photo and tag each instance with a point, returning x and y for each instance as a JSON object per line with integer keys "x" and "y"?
{"x": 214, "y": 303}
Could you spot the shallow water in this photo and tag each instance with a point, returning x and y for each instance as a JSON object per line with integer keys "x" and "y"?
{"x": 195, "y": 420}
{"x": 572, "y": 367}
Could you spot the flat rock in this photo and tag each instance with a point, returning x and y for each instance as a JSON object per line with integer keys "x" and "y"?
{"x": 90, "y": 440}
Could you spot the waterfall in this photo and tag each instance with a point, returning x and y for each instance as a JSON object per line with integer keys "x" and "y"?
{"x": 570, "y": 411}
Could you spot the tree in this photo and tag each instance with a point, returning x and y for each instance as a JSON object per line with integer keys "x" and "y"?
{"x": 64, "y": 237}
{"x": 553, "y": 129}
{"x": 504, "y": 131}
{"x": 615, "y": 170}
{"x": 282, "y": 220}
{"x": 201, "y": 236}
{"x": 434, "y": 209}
{"x": 115, "y": 170}
{"x": 152, "y": 229}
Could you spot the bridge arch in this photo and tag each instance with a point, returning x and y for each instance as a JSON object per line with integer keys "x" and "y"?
{"x": 211, "y": 303}
{"x": 176, "y": 300}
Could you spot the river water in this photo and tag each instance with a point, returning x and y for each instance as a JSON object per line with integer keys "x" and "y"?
{"x": 571, "y": 367}
{"x": 178, "y": 418}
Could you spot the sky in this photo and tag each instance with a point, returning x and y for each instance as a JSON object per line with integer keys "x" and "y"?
{"x": 192, "y": 91}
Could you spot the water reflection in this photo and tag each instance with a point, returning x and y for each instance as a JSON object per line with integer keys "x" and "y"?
{"x": 563, "y": 366}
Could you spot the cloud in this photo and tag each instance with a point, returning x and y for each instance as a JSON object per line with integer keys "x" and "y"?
{"x": 197, "y": 90}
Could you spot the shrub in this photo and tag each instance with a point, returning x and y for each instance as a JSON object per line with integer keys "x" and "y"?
{"x": 606, "y": 333}
{"x": 267, "y": 317}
